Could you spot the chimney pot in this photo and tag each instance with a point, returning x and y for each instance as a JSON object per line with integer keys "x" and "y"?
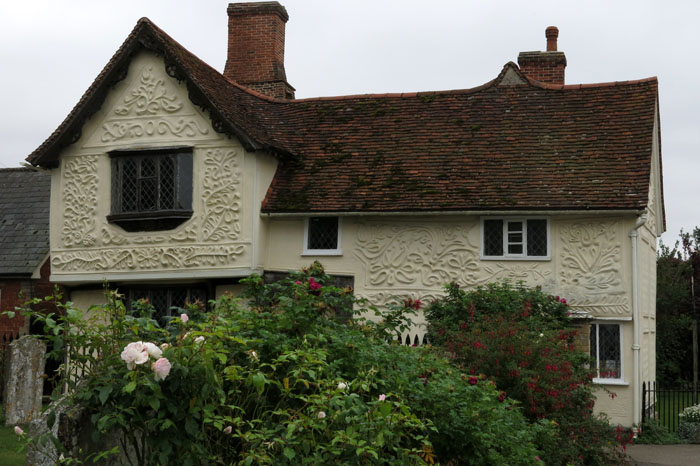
{"x": 551, "y": 33}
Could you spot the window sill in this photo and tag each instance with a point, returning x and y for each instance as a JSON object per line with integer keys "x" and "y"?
{"x": 619, "y": 382}
{"x": 161, "y": 220}
{"x": 322, "y": 252}
{"x": 510, "y": 258}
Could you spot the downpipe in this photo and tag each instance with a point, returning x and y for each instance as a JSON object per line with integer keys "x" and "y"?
{"x": 636, "y": 318}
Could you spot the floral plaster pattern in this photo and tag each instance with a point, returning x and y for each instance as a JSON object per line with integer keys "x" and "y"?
{"x": 591, "y": 275}
{"x": 418, "y": 257}
{"x": 80, "y": 201}
{"x": 221, "y": 196}
{"x": 169, "y": 257}
{"x": 151, "y": 110}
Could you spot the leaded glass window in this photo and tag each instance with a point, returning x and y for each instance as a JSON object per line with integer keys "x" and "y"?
{"x": 167, "y": 300}
{"x": 151, "y": 190}
{"x": 606, "y": 350}
{"x": 322, "y": 235}
{"x": 515, "y": 238}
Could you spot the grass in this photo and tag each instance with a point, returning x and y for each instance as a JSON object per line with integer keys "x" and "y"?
{"x": 668, "y": 407}
{"x": 9, "y": 444}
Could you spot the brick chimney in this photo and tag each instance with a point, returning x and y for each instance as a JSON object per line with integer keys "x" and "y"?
{"x": 547, "y": 67}
{"x": 256, "y": 48}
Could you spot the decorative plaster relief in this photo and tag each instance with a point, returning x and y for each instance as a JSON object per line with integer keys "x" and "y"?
{"x": 150, "y": 97}
{"x": 152, "y": 110}
{"x": 80, "y": 201}
{"x": 220, "y": 196}
{"x": 149, "y": 258}
{"x": 110, "y": 237}
{"x": 428, "y": 257}
{"x": 591, "y": 275}
{"x": 416, "y": 256}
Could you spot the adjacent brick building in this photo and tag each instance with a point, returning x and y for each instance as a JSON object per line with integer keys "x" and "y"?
{"x": 24, "y": 245}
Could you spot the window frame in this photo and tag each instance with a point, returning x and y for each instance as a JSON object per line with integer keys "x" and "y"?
{"x": 132, "y": 293}
{"x": 515, "y": 257}
{"x": 338, "y": 251}
{"x": 608, "y": 380}
{"x": 158, "y": 219}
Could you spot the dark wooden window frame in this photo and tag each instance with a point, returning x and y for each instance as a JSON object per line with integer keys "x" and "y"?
{"x": 172, "y": 198}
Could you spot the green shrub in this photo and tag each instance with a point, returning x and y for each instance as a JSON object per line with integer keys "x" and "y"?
{"x": 285, "y": 380}
{"x": 653, "y": 432}
{"x": 689, "y": 424}
{"x": 522, "y": 340}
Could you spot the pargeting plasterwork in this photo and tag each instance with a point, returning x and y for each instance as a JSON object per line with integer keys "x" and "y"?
{"x": 591, "y": 267}
{"x": 80, "y": 182}
{"x": 426, "y": 257}
{"x": 152, "y": 109}
{"x": 221, "y": 196}
{"x": 110, "y": 237}
{"x": 147, "y": 258}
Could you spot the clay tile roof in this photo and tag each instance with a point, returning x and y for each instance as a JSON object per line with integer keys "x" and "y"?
{"x": 24, "y": 220}
{"x": 510, "y": 144}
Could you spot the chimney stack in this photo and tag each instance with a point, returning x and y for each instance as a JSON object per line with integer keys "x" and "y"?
{"x": 256, "y": 48}
{"x": 547, "y": 67}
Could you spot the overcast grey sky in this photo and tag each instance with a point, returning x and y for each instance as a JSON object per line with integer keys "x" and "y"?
{"x": 50, "y": 52}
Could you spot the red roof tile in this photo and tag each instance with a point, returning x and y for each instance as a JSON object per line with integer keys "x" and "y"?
{"x": 500, "y": 146}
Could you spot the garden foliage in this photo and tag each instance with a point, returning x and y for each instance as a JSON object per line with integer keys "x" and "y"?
{"x": 523, "y": 340}
{"x": 286, "y": 379}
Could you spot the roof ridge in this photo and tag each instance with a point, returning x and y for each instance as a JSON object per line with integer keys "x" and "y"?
{"x": 565, "y": 87}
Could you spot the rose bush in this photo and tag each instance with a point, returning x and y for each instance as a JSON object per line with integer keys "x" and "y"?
{"x": 288, "y": 379}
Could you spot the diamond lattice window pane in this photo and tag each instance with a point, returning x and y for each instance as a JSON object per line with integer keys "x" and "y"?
{"x": 537, "y": 237}
{"x": 159, "y": 300}
{"x": 323, "y": 233}
{"x": 148, "y": 167}
{"x": 493, "y": 237}
{"x": 178, "y": 297}
{"x": 609, "y": 348}
{"x": 167, "y": 183}
{"x": 148, "y": 194}
{"x": 129, "y": 186}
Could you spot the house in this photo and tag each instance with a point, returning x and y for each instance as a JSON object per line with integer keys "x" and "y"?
{"x": 173, "y": 181}
{"x": 24, "y": 246}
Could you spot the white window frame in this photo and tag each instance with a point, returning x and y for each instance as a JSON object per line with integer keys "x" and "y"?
{"x": 322, "y": 252}
{"x": 609, "y": 381}
{"x": 515, "y": 257}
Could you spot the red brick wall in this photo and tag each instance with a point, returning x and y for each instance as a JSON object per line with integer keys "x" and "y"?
{"x": 256, "y": 48}
{"x": 546, "y": 67}
{"x": 15, "y": 292}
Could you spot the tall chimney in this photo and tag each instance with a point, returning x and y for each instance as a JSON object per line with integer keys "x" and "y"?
{"x": 256, "y": 48}
{"x": 547, "y": 67}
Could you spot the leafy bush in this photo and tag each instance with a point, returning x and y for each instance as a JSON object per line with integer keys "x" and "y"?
{"x": 653, "y": 432}
{"x": 286, "y": 380}
{"x": 689, "y": 424}
{"x": 522, "y": 340}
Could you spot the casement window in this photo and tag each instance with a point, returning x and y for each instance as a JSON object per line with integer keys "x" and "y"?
{"x": 606, "y": 352}
{"x": 151, "y": 189}
{"x": 515, "y": 238}
{"x": 166, "y": 300}
{"x": 322, "y": 236}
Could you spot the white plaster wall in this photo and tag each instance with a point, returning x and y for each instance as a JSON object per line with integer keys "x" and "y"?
{"x": 147, "y": 110}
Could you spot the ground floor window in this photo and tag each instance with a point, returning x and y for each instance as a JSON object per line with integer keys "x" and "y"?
{"x": 606, "y": 350}
{"x": 166, "y": 299}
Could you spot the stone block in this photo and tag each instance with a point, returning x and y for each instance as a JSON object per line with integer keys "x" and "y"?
{"x": 24, "y": 381}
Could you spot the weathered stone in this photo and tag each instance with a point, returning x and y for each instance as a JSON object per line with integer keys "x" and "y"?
{"x": 73, "y": 430}
{"x": 24, "y": 381}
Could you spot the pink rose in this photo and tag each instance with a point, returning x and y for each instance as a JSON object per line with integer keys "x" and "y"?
{"x": 228, "y": 430}
{"x": 321, "y": 414}
{"x": 18, "y": 430}
{"x": 184, "y": 318}
{"x": 133, "y": 354}
{"x": 563, "y": 301}
{"x": 161, "y": 368}
{"x": 382, "y": 397}
{"x": 473, "y": 380}
{"x": 152, "y": 350}
{"x": 164, "y": 346}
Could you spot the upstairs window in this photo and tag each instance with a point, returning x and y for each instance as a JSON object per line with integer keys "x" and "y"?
{"x": 505, "y": 238}
{"x": 151, "y": 190}
{"x": 606, "y": 352}
{"x": 322, "y": 236}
